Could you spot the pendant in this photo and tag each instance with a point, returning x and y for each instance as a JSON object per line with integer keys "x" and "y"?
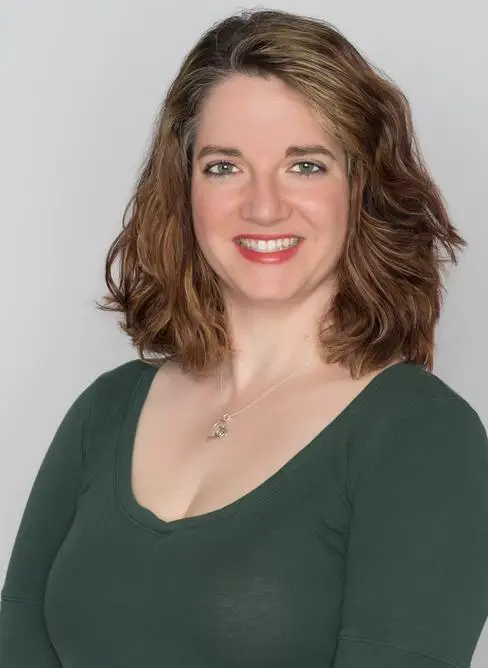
{"x": 219, "y": 429}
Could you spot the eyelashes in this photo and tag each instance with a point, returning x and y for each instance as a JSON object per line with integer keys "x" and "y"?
{"x": 318, "y": 169}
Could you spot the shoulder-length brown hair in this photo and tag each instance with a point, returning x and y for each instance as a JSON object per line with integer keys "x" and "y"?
{"x": 389, "y": 283}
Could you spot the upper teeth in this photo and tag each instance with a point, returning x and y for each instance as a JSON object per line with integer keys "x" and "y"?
{"x": 263, "y": 246}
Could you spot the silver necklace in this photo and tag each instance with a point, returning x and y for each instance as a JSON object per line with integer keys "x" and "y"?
{"x": 220, "y": 429}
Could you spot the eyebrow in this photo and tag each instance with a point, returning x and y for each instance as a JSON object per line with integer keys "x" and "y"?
{"x": 312, "y": 149}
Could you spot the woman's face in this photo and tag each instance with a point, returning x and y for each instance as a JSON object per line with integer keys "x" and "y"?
{"x": 270, "y": 194}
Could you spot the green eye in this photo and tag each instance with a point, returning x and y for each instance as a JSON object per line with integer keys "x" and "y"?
{"x": 310, "y": 168}
{"x": 222, "y": 169}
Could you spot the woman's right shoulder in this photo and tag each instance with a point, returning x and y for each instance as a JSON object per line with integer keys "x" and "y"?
{"x": 115, "y": 389}
{"x": 124, "y": 378}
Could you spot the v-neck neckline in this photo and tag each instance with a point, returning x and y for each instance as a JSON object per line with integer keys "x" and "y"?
{"x": 145, "y": 518}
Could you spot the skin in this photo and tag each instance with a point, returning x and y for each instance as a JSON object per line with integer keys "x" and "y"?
{"x": 263, "y": 191}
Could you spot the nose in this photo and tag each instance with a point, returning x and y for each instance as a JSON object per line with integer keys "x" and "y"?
{"x": 264, "y": 202}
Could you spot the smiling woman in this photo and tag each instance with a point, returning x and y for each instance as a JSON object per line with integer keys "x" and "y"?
{"x": 280, "y": 480}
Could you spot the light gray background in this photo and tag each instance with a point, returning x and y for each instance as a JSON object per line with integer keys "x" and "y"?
{"x": 80, "y": 86}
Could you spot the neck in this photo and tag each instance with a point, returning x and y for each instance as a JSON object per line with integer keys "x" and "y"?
{"x": 269, "y": 344}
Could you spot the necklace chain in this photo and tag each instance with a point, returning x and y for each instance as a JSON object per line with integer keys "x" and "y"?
{"x": 220, "y": 429}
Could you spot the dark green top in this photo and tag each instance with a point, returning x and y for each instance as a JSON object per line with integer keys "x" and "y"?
{"x": 367, "y": 549}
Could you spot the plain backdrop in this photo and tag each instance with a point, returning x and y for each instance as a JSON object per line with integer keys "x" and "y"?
{"x": 80, "y": 85}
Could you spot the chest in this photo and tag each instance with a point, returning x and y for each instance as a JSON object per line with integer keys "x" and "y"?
{"x": 262, "y": 587}
{"x": 178, "y": 472}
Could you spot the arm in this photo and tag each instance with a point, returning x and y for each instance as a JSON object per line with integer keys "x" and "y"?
{"x": 50, "y": 509}
{"x": 416, "y": 588}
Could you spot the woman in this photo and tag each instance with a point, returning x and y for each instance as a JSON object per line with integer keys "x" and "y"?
{"x": 284, "y": 482}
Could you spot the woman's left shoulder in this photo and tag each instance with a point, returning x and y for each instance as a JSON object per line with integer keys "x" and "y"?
{"x": 406, "y": 401}
{"x": 406, "y": 386}
{"x": 416, "y": 427}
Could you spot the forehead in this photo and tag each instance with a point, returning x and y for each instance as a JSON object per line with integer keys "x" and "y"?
{"x": 250, "y": 110}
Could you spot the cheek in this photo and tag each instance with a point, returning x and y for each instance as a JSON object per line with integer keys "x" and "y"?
{"x": 201, "y": 207}
{"x": 329, "y": 210}
{"x": 209, "y": 216}
{"x": 208, "y": 206}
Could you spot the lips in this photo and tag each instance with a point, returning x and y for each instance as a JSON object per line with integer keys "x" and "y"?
{"x": 263, "y": 256}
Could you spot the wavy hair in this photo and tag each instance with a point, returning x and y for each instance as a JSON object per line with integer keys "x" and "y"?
{"x": 389, "y": 278}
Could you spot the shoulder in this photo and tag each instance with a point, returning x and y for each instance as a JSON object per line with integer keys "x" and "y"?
{"x": 407, "y": 391}
{"x": 109, "y": 394}
{"x": 409, "y": 414}
{"x": 109, "y": 398}
{"x": 412, "y": 381}
{"x": 123, "y": 378}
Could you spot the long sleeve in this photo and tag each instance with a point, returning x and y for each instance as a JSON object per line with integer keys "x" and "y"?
{"x": 47, "y": 517}
{"x": 416, "y": 588}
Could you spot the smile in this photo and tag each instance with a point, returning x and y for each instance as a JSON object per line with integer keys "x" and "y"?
{"x": 268, "y": 245}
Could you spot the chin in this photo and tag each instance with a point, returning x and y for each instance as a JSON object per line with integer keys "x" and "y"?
{"x": 261, "y": 297}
